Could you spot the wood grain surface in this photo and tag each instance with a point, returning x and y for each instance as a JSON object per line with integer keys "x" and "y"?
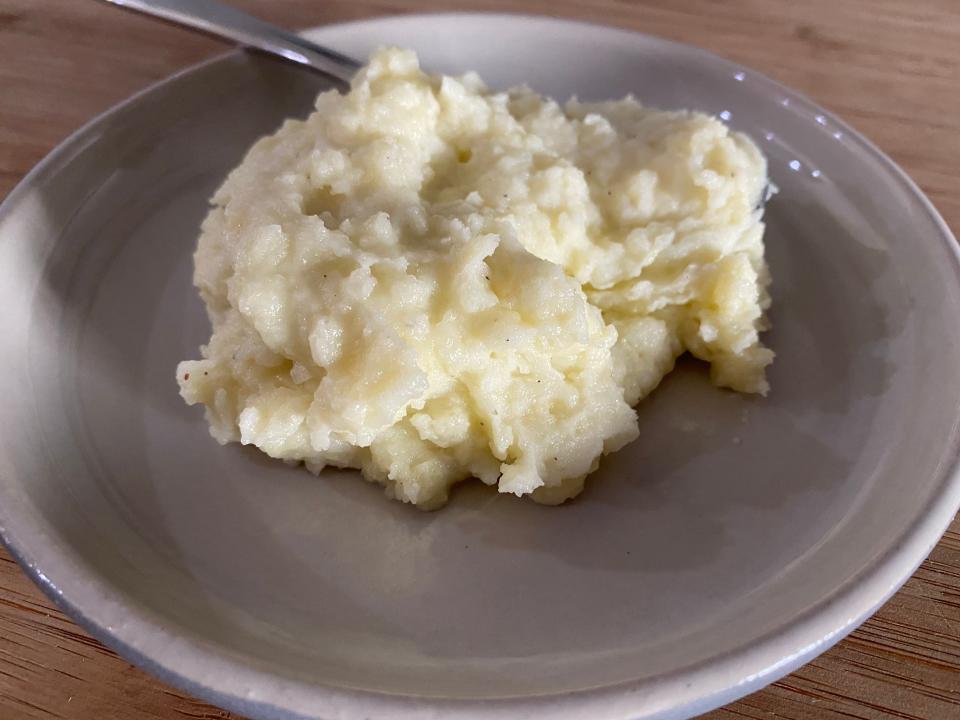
{"x": 889, "y": 67}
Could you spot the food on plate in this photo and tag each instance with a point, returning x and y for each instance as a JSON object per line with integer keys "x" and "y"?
{"x": 431, "y": 281}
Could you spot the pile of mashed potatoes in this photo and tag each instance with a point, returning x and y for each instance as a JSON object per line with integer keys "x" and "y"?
{"x": 432, "y": 282}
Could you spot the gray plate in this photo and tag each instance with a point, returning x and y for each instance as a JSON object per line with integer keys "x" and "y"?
{"x": 733, "y": 541}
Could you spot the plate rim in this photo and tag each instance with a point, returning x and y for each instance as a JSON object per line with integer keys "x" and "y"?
{"x": 690, "y": 690}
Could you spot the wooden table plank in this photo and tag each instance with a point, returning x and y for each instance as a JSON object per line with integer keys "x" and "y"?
{"x": 890, "y": 67}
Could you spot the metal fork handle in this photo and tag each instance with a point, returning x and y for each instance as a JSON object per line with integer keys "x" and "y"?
{"x": 216, "y": 18}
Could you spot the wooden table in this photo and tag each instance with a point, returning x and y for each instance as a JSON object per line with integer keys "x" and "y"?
{"x": 889, "y": 67}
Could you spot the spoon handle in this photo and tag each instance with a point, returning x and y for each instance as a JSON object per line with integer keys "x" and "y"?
{"x": 216, "y": 18}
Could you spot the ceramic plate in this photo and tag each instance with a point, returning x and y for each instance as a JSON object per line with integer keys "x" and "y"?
{"x": 735, "y": 540}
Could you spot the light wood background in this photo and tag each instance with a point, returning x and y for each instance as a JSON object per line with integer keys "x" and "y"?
{"x": 889, "y": 67}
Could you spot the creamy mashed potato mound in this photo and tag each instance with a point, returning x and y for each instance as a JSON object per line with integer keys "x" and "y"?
{"x": 430, "y": 282}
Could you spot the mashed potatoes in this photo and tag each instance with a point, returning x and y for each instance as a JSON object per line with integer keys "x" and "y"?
{"x": 431, "y": 282}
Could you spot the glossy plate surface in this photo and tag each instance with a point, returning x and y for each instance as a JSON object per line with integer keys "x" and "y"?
{"x": 736, "y": 539}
